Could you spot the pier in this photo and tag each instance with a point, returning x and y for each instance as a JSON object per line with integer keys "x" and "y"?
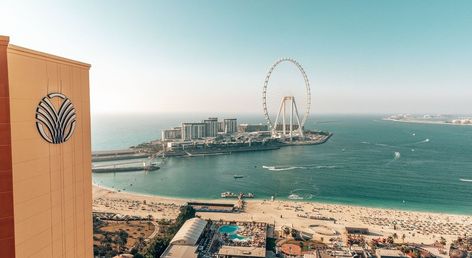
{"x": 124, "y": 168}
{"x": 118, "y": 155}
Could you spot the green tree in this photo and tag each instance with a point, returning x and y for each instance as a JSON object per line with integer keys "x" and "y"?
{"x": 138, "y": 255}
{"x": 122, "y": 239}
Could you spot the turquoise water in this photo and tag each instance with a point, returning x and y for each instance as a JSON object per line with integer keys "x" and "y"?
{"x": 367, "y": 162}
{"x": 231, "y": 231}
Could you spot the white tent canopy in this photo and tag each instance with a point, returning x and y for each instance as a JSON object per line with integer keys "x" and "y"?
{"x": 189, "y": 233}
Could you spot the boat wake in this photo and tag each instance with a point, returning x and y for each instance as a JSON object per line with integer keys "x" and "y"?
{"x": 285, "y": 168}
{"x": 408, "y": 145}
{"x": 423, "y": 141}
{"x": 465, "y": 180}
{"x": 380, "y": 144}
{"x": 301, "y": 194}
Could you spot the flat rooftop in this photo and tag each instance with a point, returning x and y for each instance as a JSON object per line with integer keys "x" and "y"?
{"x": 389, "y": 253}
{"x": 180, "y": 251}
{"x": 242, "y": 251}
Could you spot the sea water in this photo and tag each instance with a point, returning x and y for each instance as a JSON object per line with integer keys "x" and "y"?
{"x": 368, "y": 162}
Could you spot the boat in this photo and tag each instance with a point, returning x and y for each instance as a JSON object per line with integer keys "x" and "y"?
{"x": 228, "y": 195}
{"x": 153, "y": 166}
{"x": 248, "y": 195}
{"x": 295, "y": 197}
{"x": 238, "y": 176}
{"x": 233, "y": 195}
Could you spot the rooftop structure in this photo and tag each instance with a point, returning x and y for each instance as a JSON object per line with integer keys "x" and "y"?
{"x": 242, "y": 251}
{"x": 389, "y": 253}
{"x": 184, "y": 243}
{"x": 180, "y": 251}
{"x": 189, "y": 233}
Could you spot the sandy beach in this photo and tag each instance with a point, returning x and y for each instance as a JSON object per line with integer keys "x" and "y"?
{"x": 418, "y": 227}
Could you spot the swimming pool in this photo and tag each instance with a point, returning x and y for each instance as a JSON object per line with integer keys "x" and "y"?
{"x": 232, "y": 232}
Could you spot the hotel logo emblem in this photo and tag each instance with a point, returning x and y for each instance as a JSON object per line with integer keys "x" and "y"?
{"x": 55, "y": 125}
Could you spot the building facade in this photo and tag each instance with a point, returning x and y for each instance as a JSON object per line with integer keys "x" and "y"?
{"x": 172, "y": 134}
{"x": 230, "y": 125}
{"x": 221, "y": 126}
{"x": 211, "y": 127}
{"x": 191, "y": 131}
{"x": 45, "y": 155}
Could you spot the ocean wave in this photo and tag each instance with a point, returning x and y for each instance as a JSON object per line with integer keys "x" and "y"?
{"x": 383, "y": 145}
{"x": 380, "y": 144}
{"x": 284, "y": 168}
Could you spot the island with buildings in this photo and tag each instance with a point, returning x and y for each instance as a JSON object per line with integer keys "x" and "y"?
{"x": 212, "y": 136}
{"x": 208, "y": 137}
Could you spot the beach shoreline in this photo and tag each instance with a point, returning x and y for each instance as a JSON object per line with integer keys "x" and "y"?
{"x": 417, "y": 226}
{"x": 413, "y": 121}
{"x": 260, "y": 199}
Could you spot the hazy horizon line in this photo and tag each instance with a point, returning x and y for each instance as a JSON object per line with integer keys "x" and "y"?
{"x": 212, "y": 114}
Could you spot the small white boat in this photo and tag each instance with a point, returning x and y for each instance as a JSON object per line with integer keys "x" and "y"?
{"x": 295, "y": 197}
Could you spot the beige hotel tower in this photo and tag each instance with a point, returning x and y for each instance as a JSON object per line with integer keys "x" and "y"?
{"x": 45, "y": 155}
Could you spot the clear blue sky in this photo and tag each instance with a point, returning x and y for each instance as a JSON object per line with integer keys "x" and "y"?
{"x": 212, "y": 56}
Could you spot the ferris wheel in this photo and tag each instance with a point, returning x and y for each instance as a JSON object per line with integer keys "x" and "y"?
{"x": 274, "y": 126}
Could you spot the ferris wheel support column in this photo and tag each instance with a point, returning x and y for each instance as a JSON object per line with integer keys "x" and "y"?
{"x": 291, "y": 117}
{"x": 300, "y": 129}
{"x": 274, "y": 128}
{"x": 283, "y": 119}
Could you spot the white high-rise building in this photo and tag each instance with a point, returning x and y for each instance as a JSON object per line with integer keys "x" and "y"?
{"x": 230, "y": 125}
{"x": 172, "y": 134}
{"x": 211, "y": 127}
{"x": 192, "y": 131}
